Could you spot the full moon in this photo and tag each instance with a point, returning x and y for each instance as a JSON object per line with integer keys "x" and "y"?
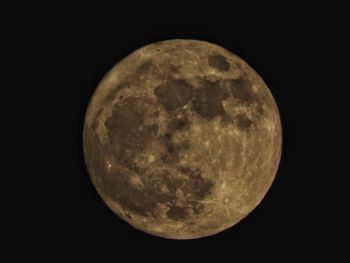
{"x": 182, "y": 139}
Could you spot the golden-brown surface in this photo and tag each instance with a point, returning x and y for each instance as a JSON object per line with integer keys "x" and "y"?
{"x": 182, "y": 139}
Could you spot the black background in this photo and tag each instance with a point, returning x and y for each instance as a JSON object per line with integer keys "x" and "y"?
{"x": 292, "y": 48}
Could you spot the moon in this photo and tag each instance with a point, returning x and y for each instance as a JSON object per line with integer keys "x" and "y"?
{"x": 182, "y": 139}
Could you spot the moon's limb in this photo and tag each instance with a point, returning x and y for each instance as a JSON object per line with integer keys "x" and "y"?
{"x": 182, "y": 139}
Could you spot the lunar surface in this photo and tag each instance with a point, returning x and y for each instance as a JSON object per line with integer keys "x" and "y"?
{"x": 182, "y": 139}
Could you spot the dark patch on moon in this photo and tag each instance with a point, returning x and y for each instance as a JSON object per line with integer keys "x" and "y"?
{"x": 218, "y": 62}
{"x": 182, "y": 146}
{"x": 174, "y": 68}
{"x": 207, "y": 100}
{"x": 174, "y": 93}
{"x": 197, "y": 207}
{"x": 123, "y": 127}
{"x": 145, "y": 68}
{"x": 178, "y": 123}
{"x": 93, "y": 151}
{"x": 97, "y": 116}
{"x": 196, "y": 185}
{"x": 128, "y": 215}
{"x": 240, "y": 89}
{"x": 133, "y": 79}
{"x": 172, "y": 184}
{"x": 125, "y": 84}
{"x": 112, "y": 94}
{"x": 243, "y": 121}
{"x": 117, "y": 185}
{"x": 177, "y": 213}
{"x": 169, "y": 156}
{"x": 172, "y": 150}
{"x": 144, "y": 201}
{"x": 260, "y": 109}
